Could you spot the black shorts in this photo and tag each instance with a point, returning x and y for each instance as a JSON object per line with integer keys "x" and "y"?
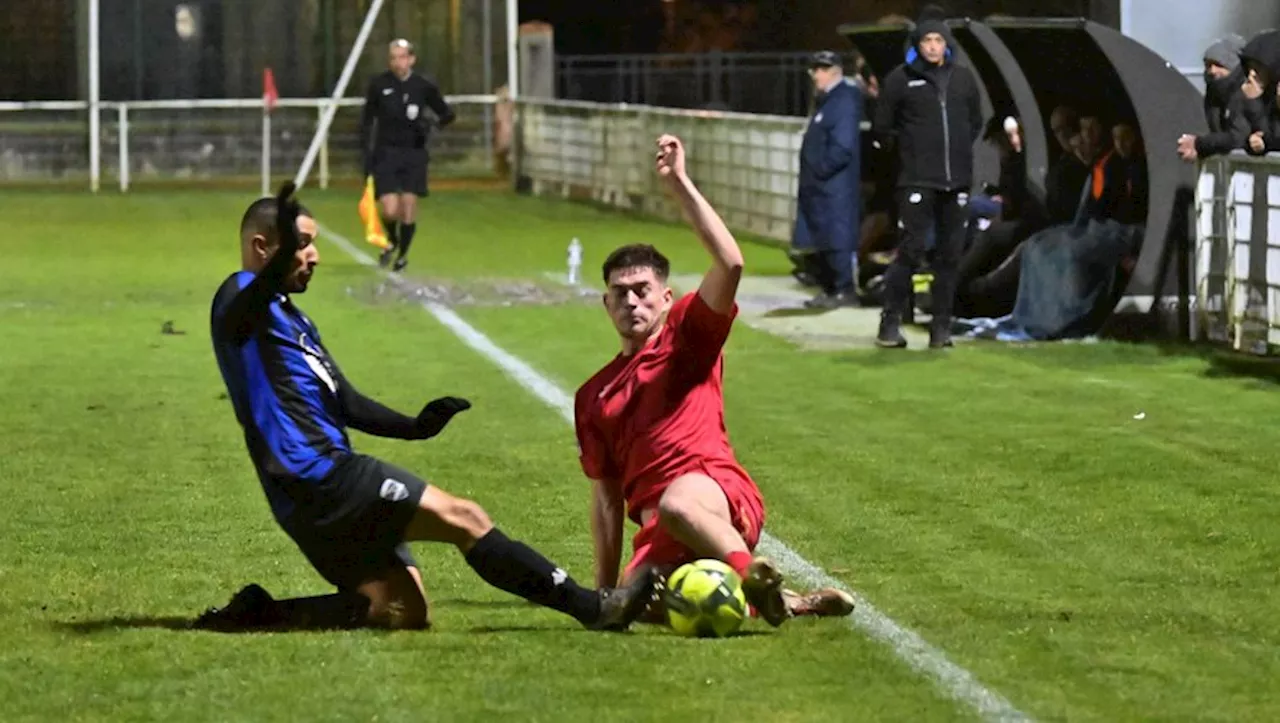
{"x": 400, "y": 170}
{"x": 352, "y": 528}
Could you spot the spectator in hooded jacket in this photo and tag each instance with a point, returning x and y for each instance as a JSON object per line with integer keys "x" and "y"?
{"x": 930, "y": 109}
{"x": 1224, "y": 103}
{"x": 1261, "y": 58}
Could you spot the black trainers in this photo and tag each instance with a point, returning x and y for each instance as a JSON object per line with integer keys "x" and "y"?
{"x": 940, "y": 334}
{"x": 621, "y": 606}
{"x": 826, "y": 300}
{"x": 890, "y": 335}
{"x": 252, "y": 607}
{"x": 384, "y": 259}
{"x": 400, "y": 264}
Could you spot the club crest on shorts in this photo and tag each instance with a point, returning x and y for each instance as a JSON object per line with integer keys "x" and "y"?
{"x": 393, "y": 490}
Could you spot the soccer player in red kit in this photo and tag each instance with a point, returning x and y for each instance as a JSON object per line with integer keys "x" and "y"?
{"x": 650, "y": 424}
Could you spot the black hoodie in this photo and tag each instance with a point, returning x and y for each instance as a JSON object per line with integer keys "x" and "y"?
{"x": 1227, "y": 112}
{"x": 934, "y": 115}
{"x": 1264, "y": 50}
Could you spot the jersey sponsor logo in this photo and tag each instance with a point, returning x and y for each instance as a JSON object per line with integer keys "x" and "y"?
{"x": 316, "y": 362}
{"x": 393, "y": 490}
{"x": 915, "y": 83}
{"x": 387, "y": 91}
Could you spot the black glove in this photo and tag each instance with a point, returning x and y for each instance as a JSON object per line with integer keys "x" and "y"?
{"x": 287, "y": 211}
{"x": 433, "y": 417}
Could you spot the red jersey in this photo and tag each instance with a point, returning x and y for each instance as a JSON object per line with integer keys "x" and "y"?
{"x": 645, "y": 419}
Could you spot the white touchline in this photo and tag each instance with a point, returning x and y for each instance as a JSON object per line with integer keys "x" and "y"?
{"x": 954, "y": 681}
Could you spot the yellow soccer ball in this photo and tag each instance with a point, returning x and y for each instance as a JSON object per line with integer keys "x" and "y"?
{"x": 704, "y": 599}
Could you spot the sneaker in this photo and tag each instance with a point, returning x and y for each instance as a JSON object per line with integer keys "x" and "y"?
{"x": 252, "y": 607}
{"x": 827, "y": 301}
{"x": 400, "y": 264}
{"x": 384, "y": 259}
{"x": 940, "y": 334}
{"x": 890, "y": 334}
{"x": 762, "y": 587}
{"x": 621, "y": 606}
{"x": 825, "y": 603}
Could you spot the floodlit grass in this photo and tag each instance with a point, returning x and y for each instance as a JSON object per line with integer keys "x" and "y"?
{"x": 1003, "y": 502}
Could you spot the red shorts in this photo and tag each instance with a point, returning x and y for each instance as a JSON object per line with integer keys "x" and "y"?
{"x": 654, "y": 546}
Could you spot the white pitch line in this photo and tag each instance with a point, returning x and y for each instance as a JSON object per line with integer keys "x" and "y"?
{"x": 953, "y": 680}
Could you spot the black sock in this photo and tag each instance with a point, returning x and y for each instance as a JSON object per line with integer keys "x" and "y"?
{"x": 390, "y": 226}
{"x": 518, "y": 569}
{"x": 340, "y": 610}
{"x": 406, "y": 237}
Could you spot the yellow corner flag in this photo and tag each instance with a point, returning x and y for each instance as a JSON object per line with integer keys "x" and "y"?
{"x": 373, "y": 232}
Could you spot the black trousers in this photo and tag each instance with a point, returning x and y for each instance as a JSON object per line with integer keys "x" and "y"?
{"x": 922, "y": 212}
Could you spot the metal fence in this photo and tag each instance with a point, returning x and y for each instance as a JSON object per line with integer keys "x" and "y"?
{"x": 770, "y": 83}
{"x": 212, "y": 140}
{"x": 179, "y": 49}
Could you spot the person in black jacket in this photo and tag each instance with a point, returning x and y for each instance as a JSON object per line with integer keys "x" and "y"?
{"x": 1261, "y": 58}
{"x": 930, "y": 109}
{"x": 393, "y": 138}
{"x": 1224, "y": 103}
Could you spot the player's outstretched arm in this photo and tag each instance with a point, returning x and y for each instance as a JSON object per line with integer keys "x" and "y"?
{"x": 371, "y": 417}
{"x": 720, "y": 285}
{"x": 250, "y": 306}
{"x": 606, "y": 530}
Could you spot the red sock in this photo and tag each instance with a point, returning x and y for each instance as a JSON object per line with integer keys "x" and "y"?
{"x": 739, "y": 561}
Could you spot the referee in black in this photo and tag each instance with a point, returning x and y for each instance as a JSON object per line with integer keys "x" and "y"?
{"x": 394, "y": 131}
{"x": 349, "y": 513}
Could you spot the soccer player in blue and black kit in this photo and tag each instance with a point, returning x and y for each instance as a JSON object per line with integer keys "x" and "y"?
{"x": 351, "y": 514}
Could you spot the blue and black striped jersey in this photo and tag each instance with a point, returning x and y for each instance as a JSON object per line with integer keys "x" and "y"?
{"x": 286, "y": 391}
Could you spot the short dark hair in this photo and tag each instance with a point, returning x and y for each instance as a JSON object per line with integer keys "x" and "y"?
{"x": 637, "y": 256}
{"x": 260, "y": 218}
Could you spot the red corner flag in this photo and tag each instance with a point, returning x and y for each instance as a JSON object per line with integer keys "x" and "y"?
{"x": 269, "y": 94}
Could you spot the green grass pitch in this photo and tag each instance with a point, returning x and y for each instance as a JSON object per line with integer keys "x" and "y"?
{"x": 1002, "y": 502}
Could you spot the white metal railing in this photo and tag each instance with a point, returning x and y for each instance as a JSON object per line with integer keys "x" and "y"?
{"x": 746, "y": 164}
{"x": 210, "y": 139}
{"x": 1237, "y": 251}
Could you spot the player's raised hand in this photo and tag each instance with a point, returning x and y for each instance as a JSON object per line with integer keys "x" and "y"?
{"x": 670, "y": 158}
{"x": 287, "y": 211}
{"x": 433, "y": 417}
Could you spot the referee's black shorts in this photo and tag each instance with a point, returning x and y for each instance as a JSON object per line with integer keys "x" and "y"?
{"x": 400, "y": 170}
{"x": 352, "y": 528}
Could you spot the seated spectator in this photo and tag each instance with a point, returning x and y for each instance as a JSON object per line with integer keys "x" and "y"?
{"x": 1130, "y": 175}
{"x": 1067, "y": 174}
{"x": 1224, "y": 103}
{"x": 1022, "y": 214}
{"x": 1117, "y": 186}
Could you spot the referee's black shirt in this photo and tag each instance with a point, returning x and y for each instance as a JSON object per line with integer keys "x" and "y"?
{"x": 394, "y": 111}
